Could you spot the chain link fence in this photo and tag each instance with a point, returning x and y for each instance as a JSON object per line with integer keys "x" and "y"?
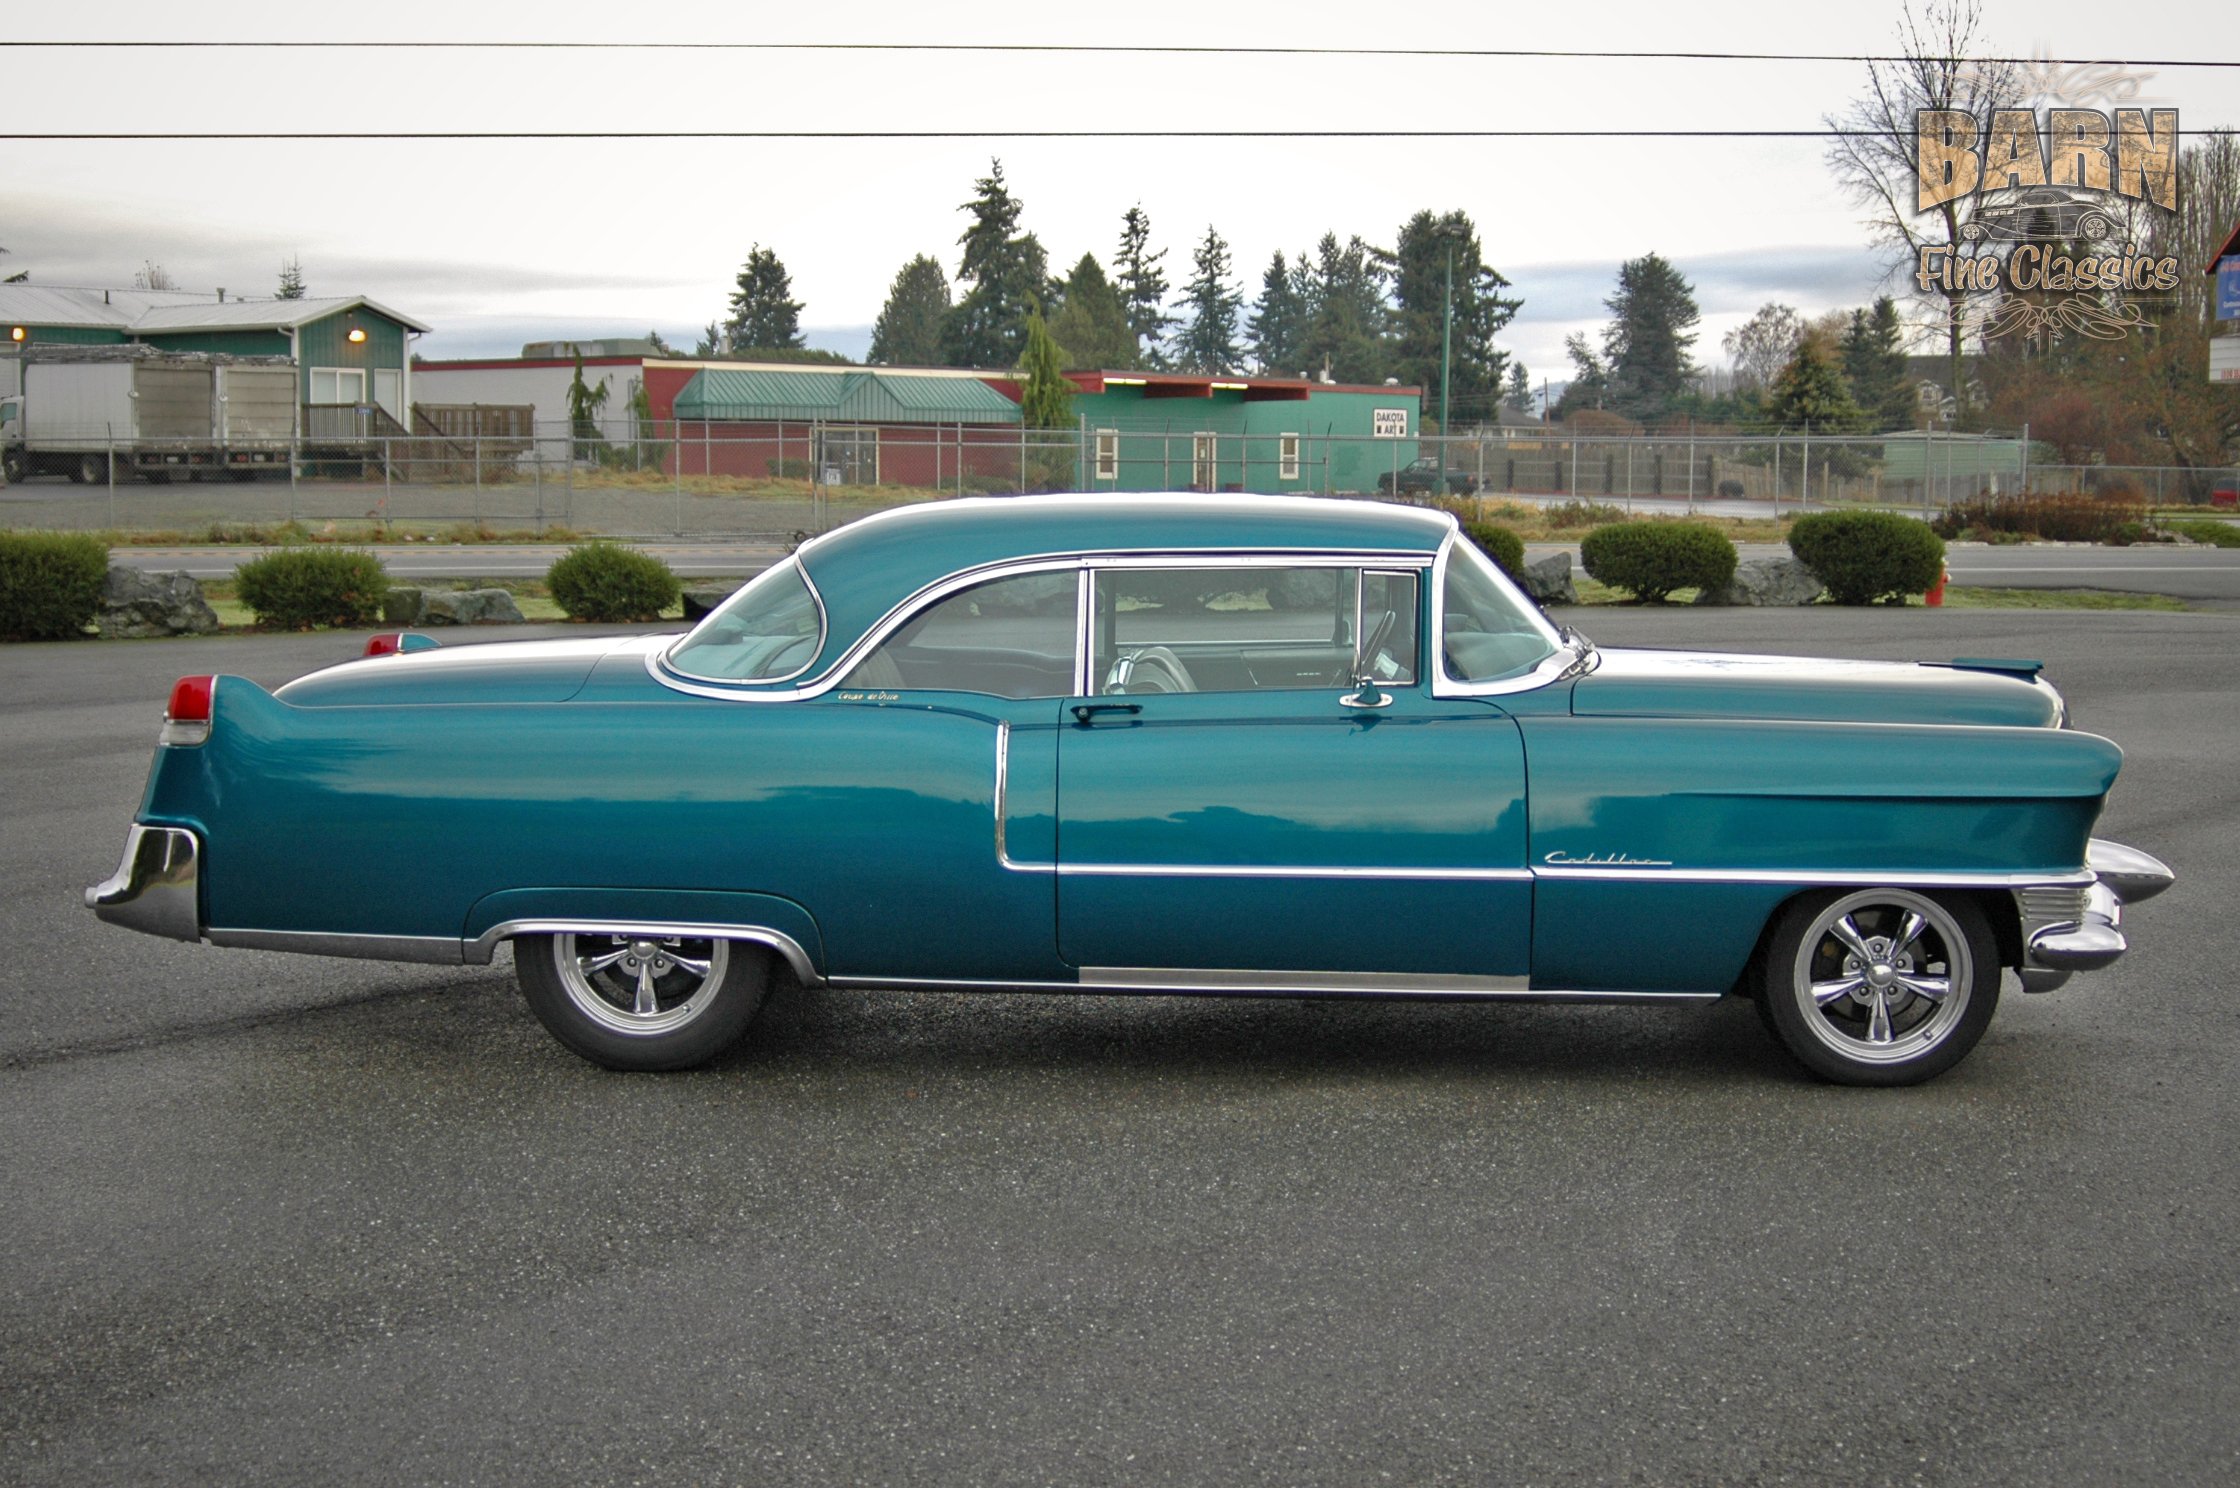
{"x": 777, "y": 481}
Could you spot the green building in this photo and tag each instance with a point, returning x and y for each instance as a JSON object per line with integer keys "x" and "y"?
{"x": 349, "y": 352}
{"x": 1168, "y": 431}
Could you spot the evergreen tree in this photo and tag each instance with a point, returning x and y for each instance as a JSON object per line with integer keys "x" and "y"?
{"x": 1045, "y": 397}
{"x": 1810, "y": 393}
{"x": 291, "y": 280}
{"x": 1419, "y": 281}
{"x": 908, "y": 331}
{"x": 1278, "y": 322}
{"x": 711, "y": 341}
{"x": 1874, "y": 362}
{"x": 1091, "y": 325}
{"x": 1647, "y": 344}
{"x": 764, "y": 314}
{"x": 1346, "y": 314}
{"x": 1005, "y": 269}
{"x": 1590, "y": 379}
{"x": 1520, "y": 389}
{"x": 1207, "y": 341}
{"x": 1143, "y": 287}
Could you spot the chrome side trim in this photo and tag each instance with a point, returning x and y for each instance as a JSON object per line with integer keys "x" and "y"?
{"x": 1002, "y": 803}
{"x": 2133, "y": 876}
{"x": 483, "y": 947}
{"x": 438, "y": 950}
{"x": 1244, "y": 870}
{"x": 1218, "y": 979}
{"x": 1157, "y": 982}
{"x": 1869, "y": 877}
{"x": 156, "y": 888}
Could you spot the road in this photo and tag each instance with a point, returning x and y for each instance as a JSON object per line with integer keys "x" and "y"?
{"x": 2210, "y": 575}
{"x": 285, "y": 1220}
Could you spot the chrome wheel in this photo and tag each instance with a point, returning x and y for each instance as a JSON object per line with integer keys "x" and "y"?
{"x": 640, "y": 986}
{"x": 1881, "y": 986}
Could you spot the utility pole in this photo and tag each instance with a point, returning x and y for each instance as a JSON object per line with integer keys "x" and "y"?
{"x": 1446, "y": 364}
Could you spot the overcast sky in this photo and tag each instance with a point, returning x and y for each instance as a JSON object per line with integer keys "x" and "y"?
{"x": 495, "y": 243}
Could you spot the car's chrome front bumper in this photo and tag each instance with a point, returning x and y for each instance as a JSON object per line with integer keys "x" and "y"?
{"x": 157, "y": 886}
{"x": 2092, "y": 936}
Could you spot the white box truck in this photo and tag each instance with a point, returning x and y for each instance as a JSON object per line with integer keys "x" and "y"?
{"x": 154, "y": 414}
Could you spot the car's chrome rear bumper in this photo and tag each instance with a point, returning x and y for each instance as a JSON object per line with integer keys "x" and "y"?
{"x": 2092, "y": 936}
{"x": 157, "y": 886}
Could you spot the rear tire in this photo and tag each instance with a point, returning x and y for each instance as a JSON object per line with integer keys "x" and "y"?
{"x": 16, "y": 467}
{"x": 1880, "y": 986}
{"x": 642, "y": 1002}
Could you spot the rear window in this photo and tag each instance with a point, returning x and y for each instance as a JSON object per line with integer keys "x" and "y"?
{"x": 767, "y": 632}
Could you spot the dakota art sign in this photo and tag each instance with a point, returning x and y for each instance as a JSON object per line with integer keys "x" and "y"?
{"x": 2046, "y": 205}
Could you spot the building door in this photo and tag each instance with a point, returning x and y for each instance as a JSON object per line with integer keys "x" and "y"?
{"x": 388, "y": 391}
{"x": 1204, "y": 461}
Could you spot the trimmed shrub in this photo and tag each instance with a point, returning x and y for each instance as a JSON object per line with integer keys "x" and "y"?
{"x": 50, "y": 584}
{"x": 606, "y": 582}
{"x": 1498, "y": 543}
{"x": 299, "y": 588}
{"x": 1577, "y": 513}
{"x": 1651, "y": 559}
{"x": 1863, "y": 556}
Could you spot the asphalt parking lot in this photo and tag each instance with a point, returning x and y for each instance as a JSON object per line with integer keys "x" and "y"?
{"x": 274, "y": 1219}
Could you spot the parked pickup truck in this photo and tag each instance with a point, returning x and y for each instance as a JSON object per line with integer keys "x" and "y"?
{"x": 1420, "y": 477}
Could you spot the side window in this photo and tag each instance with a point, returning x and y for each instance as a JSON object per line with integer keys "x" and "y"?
{"x": 1248, "y": 629}
{"x": 1010, "y": 637}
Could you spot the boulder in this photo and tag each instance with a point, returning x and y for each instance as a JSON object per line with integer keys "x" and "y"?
{"x": 136, "y": 604}
{"x": 405, "y": 604}
{"x": 1769, "y": 582}
{"x": 1549, "y": 580}
{"x": 468, "y": 607}
{"x": 705, "y": 597}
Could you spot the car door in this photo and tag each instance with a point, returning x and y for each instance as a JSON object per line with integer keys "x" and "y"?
{"x": 947, "y": 731}
{"x": 1236, "y": 810}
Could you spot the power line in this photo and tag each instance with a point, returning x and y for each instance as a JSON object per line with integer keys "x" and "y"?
{"x": 649, "y": 135}
{"x": 1094, "y": 49}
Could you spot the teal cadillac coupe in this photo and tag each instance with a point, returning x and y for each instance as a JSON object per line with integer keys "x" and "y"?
{"x": 1216, "y": 745}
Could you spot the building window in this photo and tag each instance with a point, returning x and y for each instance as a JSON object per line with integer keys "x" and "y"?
{"x": 1108, "y": 454}
{"x": 337, "y": 387}
{"x": 1287, "y": 457}
{"x": 1204, "y": 461}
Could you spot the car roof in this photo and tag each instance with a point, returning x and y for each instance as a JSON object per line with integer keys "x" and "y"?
{"x": 863, "y": 570}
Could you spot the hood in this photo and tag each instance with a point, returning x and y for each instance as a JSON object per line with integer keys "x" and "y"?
{"x": 1708, "y": 684}
{"x": 501, "y": 672}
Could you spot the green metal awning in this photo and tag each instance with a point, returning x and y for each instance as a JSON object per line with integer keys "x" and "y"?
{"x": 726, "y": 394}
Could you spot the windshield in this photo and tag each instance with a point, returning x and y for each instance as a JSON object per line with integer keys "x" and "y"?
{"x": 767, "y": 632}
{"x": 1487, "y": 629}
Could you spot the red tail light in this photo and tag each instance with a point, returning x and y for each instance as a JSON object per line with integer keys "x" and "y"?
{"x": 190, "y": 700}
{"x": 186, "y": 718}
{"x": 388, "y": 643}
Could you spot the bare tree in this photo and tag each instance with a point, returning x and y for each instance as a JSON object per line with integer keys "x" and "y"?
{"x": 1762, "y": 345}
{"x": 1873, "y": 151}
{"x": 153, "y": 275}
{"x": 2208, "y": 205}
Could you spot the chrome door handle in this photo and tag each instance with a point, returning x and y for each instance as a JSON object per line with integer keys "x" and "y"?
{"x": 1087, "y": 712}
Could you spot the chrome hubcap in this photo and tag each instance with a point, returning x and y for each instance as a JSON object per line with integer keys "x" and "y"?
{"x": 640, "y": 985}
{"x": 1887, "y": 973}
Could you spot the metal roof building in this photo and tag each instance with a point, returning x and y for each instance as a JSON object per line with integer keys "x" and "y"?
{"x": 350, "y": 351}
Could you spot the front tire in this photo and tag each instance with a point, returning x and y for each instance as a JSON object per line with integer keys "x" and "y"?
{"x": 1880, "y": 986}
{"x": 642, "y": 1002}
